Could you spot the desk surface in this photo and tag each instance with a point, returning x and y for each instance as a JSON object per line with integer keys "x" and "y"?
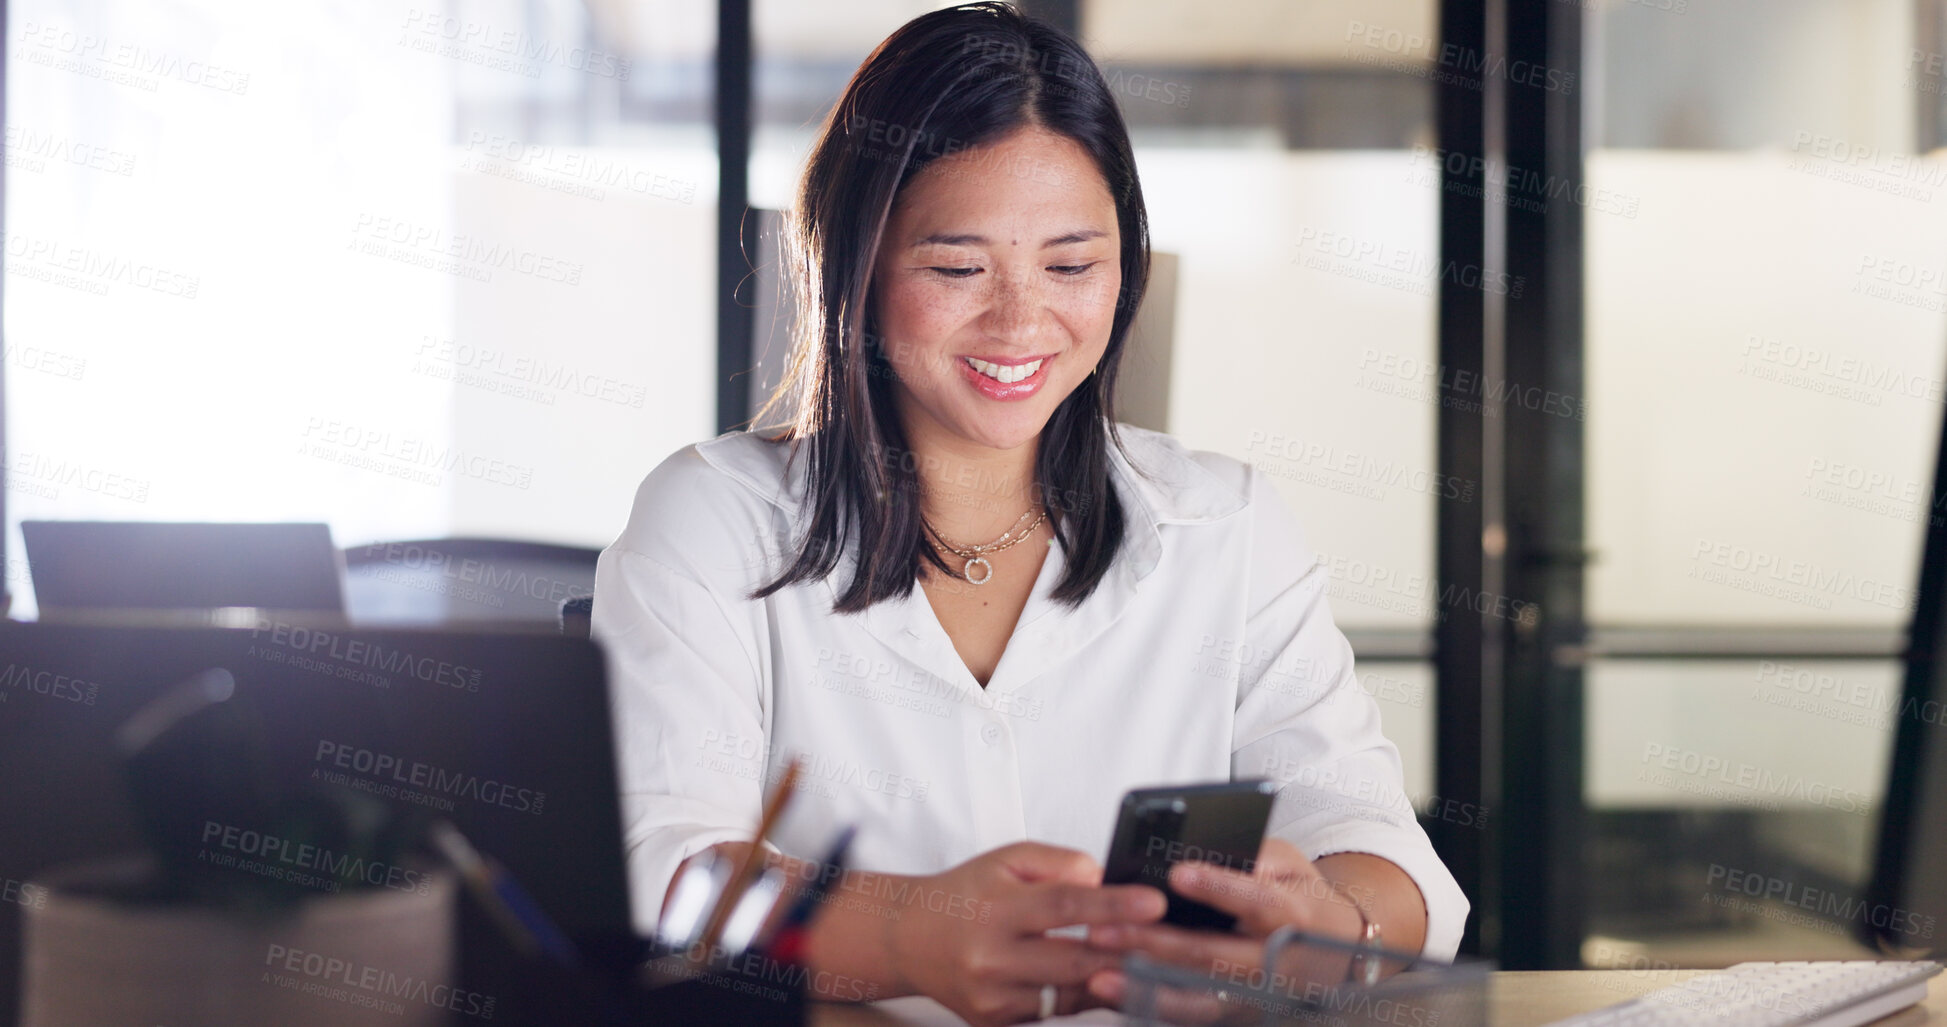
{"x": 1516, "y": 999}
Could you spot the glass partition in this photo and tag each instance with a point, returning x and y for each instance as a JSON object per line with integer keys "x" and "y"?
{"x": 1766, "y": 344}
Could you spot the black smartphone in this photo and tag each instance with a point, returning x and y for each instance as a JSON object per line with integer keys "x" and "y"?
{"x": 1220, "y": 823}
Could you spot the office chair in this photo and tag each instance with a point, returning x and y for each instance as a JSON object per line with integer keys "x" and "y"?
{"x": 433, "y": 581}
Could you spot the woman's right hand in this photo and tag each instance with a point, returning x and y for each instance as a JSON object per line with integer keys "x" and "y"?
{"x": 973, "y": 937}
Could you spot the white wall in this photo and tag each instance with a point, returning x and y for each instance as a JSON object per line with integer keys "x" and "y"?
{"x": 1743, "y": 352}
{"x": 594, "y": 383}
{"x": 299, "y": 297}
{"x": 1304, "y": 345}
{"x": 1305, "y": 341}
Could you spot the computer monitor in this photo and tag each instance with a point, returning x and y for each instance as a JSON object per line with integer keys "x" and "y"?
{"x": 505, "y": 735}
{"x": 1906, "y": 909}
{"x": 82, "y": 566}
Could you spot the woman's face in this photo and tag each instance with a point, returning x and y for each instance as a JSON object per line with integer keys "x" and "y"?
{"x": 996, "y": 286}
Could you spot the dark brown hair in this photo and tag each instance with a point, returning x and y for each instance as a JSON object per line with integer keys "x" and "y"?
{"x": 944, "y": 82}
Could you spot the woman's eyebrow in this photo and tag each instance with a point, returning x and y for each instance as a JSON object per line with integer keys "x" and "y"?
{"x": 968, "y": 239}
{"x": 1079, "y": 235}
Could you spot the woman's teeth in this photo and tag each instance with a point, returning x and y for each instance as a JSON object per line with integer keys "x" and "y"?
{"x": 1006, "y": 374}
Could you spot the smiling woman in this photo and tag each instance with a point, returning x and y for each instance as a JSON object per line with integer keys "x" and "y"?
{"x": 976, "y": 607}
{"x": 987, "y": 198}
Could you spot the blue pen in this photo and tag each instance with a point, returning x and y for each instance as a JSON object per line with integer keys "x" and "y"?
{"x": 510, "y": 904}
{"x": 787, "y": 944}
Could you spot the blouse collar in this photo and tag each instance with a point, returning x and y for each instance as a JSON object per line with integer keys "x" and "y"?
{"x": 1176, "y": 490}
{"x": 1158, "y": 480}
{"x": 1171, "y": 487}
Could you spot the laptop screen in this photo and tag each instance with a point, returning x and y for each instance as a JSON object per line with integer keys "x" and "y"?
{"x": 82, "y": 565}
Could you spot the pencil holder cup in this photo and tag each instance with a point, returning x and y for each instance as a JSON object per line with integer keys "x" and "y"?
{"x": 100, "y": 947}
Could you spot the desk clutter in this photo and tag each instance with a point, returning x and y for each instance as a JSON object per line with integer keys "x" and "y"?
{"x": 296, "y": 822}
{"x": 1305, "y": 984}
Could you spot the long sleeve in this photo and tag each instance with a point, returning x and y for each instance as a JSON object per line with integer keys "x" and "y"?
{"x": 1304, "y": 722}
{"x": 688, "y": 688}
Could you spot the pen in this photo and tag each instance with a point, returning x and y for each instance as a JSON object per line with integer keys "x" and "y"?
{"x": 787, "y": 944}
{"x": 519, "y": 915}
{"x": 740, "y": 878}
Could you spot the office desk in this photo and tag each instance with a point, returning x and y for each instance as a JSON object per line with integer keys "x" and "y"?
{"x": 1515, "y": 999}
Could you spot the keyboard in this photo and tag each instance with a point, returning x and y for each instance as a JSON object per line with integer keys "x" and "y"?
{"x": 1836, "y": 994}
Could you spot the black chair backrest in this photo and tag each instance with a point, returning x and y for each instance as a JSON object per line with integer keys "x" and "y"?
{"x": 435, "y": 581}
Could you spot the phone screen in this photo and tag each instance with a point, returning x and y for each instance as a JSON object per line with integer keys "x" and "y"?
{"x": 1157, "y": 828}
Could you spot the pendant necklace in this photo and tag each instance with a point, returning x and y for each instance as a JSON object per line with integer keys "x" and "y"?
{"x": 977, "y": 555}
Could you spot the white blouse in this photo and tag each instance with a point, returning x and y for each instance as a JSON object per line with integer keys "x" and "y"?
{"x": 1207, "y": 652}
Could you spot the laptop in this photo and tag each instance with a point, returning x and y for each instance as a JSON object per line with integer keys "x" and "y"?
{"x": 504, "y": 735}
{"x": 81, "y": 566}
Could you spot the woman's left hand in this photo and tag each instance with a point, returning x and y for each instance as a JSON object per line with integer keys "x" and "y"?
{"x": 1284, "y": 889}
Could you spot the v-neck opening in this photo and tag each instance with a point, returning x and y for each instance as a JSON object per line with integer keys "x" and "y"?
{"x": 1032, "y": 611}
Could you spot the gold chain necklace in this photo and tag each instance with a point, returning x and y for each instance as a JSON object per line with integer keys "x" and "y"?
{"x": 978, "y": 554}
